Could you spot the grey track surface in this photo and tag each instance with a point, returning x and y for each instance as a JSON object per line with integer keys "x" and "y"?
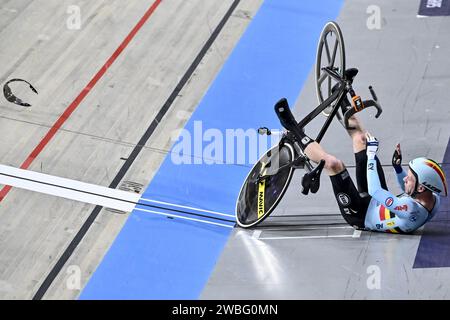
{"x": 407, "y": 63}
{"x": 36, "y": 229}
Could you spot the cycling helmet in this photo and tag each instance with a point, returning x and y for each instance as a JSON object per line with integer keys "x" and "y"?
{"x": 429, "y": 174}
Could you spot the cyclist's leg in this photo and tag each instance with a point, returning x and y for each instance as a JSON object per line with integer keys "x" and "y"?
{"x": 361, "y": 172}
{"x": 316, "y": 153}
{"x": 358, "y": 136}
{"x": 352, "y": 207}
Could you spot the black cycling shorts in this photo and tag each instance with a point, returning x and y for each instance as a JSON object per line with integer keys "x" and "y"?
{"x": 352, "y": 202}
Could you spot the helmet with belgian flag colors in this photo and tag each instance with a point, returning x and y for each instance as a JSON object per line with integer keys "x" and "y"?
{"x": 429, "y": 174}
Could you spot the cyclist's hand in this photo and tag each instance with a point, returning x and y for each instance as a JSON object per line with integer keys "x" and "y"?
{"x": 371, "y": 146}
{"x": 397, "y": 159}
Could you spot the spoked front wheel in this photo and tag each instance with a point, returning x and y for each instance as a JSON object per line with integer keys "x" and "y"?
{"x": 265, "y": 185}
{"x": 330, "y": 53}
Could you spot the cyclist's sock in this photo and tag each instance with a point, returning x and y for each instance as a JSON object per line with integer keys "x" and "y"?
{"x": 361, "y": 171}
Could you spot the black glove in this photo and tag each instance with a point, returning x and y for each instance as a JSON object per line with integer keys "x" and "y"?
{"x": 397, "y": 159}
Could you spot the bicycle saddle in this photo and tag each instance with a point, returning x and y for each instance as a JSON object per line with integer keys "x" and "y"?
{"x": 350, "y": 73}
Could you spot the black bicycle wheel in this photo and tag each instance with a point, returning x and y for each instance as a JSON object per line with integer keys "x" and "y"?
{"x": 258, "y": 199}
{"x": 330, "y": 53}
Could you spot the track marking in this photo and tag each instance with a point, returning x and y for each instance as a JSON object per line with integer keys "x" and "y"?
{"x": 135, "y": 152}
{"x": 186, "y": 207}
{"x": 324, "y": 227}
{"x": 75, "y": 103}
{"x": 307, "y": 237}
{"x": 256, "y": 234}
{"x": 83, "y": 192}
{"x": 356, "y": 233}
{"x": 186, "y": 218}
{"x": 68, "y": 188}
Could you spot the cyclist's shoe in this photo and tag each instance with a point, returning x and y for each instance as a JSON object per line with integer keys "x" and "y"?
{"x": 311, "y": 180}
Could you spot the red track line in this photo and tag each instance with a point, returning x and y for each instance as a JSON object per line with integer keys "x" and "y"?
{"x": 75, "y": 103}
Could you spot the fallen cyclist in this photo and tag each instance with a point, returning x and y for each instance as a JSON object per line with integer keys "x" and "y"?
{"x": 371, "y": 206}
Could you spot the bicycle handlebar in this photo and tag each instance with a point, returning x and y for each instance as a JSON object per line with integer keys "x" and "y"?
{"x": 366, "y": 104}
{"x": 372, "y": 92}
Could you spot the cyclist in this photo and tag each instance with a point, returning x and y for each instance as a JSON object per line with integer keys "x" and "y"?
{"x": 371, "y": 206}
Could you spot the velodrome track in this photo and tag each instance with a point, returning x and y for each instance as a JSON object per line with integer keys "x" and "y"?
{"x": 114, "y": 94}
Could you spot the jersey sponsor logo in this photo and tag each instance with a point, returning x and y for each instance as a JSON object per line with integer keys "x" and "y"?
{"x": 389, "y": 201}
{"x": 401, "y": 208}
{"x": 349, "y": 211}
{"x": 390, "y": 223}
{"x": 343, "y": 199}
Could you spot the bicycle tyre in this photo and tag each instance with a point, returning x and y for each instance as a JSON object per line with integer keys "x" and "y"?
{"x": 249, "y": 208}
{"x": 330, "y": 29}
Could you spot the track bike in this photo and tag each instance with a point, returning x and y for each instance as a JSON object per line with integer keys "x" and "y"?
{"x": 268, "y": 180}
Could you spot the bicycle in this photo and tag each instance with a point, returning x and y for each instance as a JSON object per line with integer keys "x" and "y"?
{"x": 267, "y": 182}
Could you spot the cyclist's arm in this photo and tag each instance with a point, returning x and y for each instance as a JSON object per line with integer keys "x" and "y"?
{"x": 400, "y": 206}
{"x": 401, "y": 174}
{"x": 397, "y": 165}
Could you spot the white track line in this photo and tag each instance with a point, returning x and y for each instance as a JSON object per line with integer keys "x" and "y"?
{"x": 181, "y": 217}
{"x": 318, "y": 228}
{"x": 85, "y": 192}
{"x": 357, "y": 233}
{"x": 256, "y": 234}
{"x": 192, "y": 208}
{"x": 80, "y": 191}
{"x": 67, "y": 188}
{"x": 307, "y": 237}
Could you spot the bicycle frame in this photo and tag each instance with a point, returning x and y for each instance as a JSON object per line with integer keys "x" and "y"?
{"x": 345, "y": 86}
{"x": 337, "y": 97}
{"x": 339, "y": 94}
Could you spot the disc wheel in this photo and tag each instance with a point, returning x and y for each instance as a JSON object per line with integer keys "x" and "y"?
{"x": 259, "y": 197}
{"x": 330, "y": 53}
